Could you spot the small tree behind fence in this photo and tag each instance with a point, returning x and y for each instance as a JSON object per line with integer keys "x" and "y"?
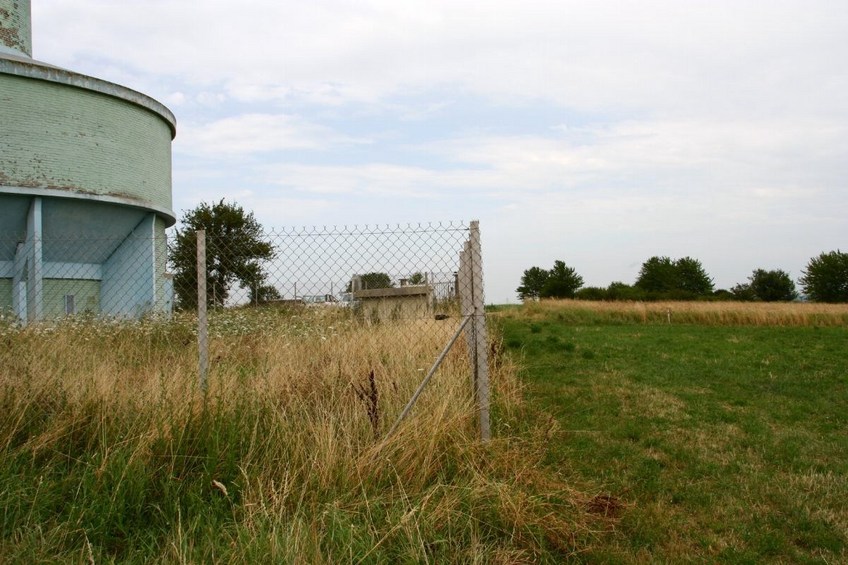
{"x": 423, "y": 278}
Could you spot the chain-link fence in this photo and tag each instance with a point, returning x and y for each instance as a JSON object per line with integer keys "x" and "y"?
{"x": 411, "y": 279}
{"x": 400, "y": 272}
{"x": 421, "y": 283}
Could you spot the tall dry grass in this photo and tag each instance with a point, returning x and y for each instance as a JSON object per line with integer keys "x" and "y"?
{"x": 707, "y": 313}
{"x": 112, "y": 452}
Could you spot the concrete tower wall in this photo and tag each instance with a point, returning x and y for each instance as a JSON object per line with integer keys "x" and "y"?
{"x": 16, "y": 26}
{"x": 62, "y": 137}
{"x": 85, "y": 188}
{"x": 5, "y": 292}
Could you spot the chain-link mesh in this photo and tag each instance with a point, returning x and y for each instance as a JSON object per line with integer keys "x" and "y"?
{"x": 379, "y": 273}
{"x": 400, "y": 272}
{"x": 400, "y": 293}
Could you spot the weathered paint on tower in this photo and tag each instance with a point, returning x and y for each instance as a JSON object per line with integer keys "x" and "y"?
{"x": 66, "y": 138}
{"x": 16, "y": 26}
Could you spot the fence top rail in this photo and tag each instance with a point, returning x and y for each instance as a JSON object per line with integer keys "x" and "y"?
{"x": 397, "y": 229}
{"x": 365, "y": 229}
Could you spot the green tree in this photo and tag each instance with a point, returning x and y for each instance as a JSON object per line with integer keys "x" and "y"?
{"x": 826, "y": 277}
{"x": 417, "y": 278}
{"x": 772, "y": 286}
{"x": 743, "y": 292}
{"x": 260, "y": 291}
{"x": 234, "y": 249}
{"x": 532, "y": 282}
{"x": 692, "y": 277}
{"x": 664, "y": 277}
{"x": 372, "y": 281}
{"x": 562, "y": 282}
{"x": 263, "y": 294}
{"x": 657, "y": 274}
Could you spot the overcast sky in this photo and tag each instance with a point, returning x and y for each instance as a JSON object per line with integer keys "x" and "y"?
{"x": 595, "y": 132}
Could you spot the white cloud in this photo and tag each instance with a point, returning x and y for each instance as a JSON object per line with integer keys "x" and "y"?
{"x": 175, "y": 99}
{"x": 727, "y": 57}
{"x": 660, "y": 155}
{"x": 210, "y": 99}
{"x": 249, "y": 134}
{"x": 376, "y": 179}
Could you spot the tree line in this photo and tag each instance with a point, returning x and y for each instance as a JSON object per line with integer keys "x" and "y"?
{"x": 825, "y": 279}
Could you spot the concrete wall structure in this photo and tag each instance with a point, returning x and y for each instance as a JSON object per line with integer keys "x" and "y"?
{"x": 85, "y": 187}
{"x": 395, "y": 303}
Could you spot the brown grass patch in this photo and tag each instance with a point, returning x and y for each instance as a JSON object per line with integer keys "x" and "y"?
{"x": 708, "y": 313}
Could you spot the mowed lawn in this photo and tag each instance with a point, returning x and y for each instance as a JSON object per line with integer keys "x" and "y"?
{"x": 709, "y": 442}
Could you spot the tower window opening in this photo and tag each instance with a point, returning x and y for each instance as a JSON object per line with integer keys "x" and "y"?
{"x": 70, "y": 309}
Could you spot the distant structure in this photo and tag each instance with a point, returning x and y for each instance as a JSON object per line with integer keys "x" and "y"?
{"x": 85, "y": 188}
{"x": 394, "y": 303}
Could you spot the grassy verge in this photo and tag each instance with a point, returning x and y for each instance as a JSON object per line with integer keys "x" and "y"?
{"x": 110, "y": 453}
{"x": 718, "y": 432}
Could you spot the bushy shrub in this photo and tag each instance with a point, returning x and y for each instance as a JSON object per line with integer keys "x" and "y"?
{"x": 591, "y": 293}
{"x": 621, "y": 291}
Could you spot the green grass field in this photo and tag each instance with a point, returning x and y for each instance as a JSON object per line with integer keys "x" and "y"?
{"x": 713, "y": 442}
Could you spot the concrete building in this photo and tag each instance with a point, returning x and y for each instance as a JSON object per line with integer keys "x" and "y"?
{"x": 85, "y": 187}
{"x": 396, "y": 303}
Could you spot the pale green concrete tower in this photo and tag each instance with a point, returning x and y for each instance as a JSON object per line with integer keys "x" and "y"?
{"x": 85, "y": 187}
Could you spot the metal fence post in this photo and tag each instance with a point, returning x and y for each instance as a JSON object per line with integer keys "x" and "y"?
{"x": 202, "y": 322}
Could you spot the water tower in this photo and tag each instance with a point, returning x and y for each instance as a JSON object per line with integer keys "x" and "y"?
{"x": 85, "y": 188}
